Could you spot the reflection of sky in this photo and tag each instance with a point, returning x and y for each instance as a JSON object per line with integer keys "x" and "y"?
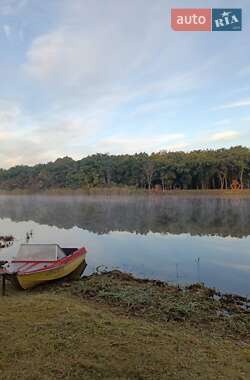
{"x": 223, "y": 263}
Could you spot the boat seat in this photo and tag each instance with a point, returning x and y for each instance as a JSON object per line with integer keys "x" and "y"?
{"x": 69, "y": 251}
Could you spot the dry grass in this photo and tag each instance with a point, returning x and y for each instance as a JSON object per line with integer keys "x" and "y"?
{"x": 111, "y": 326}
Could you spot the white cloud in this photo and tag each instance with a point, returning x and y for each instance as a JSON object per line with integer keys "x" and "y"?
{"x": 9, "y": 112}
{"x": 70, "y": 55}
{"x": 26, "y": 140}
{"x": 9, "y": 7}
{"x": 239, "y": 103}
{"x": 111, "y": 70}
{"x": 7, "y": 30}
{"x": 223, "y": 122}
{"x": 57, "y": 53}
{"x": 224, "y": 136}
{"x": 177, "y": 147}
{"x": 148, "y": 144}
{"x": 118, "y": 49}
{"x": 85, "y": 81}
{"x": 247, "y": 119}
{"x": 4, "y": 135}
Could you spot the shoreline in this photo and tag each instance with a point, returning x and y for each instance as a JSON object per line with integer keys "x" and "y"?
{"x": 94, "y": 286}
{"x": 136, "y": 296}
{"x": 104, "y": 191}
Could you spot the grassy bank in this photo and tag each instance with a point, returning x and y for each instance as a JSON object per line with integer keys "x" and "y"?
{"x": 111, "y": 326}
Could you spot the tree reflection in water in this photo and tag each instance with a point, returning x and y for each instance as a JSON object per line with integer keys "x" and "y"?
{"x": 101, "y": 215}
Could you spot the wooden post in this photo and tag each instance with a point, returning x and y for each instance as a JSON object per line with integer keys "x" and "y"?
{"x": 3, "y": 284}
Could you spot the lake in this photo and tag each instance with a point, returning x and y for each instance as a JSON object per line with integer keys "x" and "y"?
{"x": 175, "y": 239}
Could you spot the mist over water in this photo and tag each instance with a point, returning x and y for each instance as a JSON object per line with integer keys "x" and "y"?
{"x": 182, "y": 240}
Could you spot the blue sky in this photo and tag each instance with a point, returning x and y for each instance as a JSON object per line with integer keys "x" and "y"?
{"x": 85, "y": 76}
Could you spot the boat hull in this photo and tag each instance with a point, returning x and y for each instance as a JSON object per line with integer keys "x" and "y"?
{"x": 63, "y": 269}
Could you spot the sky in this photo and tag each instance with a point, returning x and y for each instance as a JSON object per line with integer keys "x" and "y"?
{"x": 79, "y": 77}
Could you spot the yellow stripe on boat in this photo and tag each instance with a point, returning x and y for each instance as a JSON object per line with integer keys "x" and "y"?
{"x": 29, "y": 280}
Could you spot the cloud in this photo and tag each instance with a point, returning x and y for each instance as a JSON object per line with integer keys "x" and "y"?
{"x": 247, "y": 119}
{"x": 51, "y": 55}
{"x": 112, "y": 64}
{"x": 92, "y": 71}
{"x": 148, "y": 144}
{"x": 69, "y": 55}
{"x": 244, "y": 71}
{"x": 224, "y": 136}
{"x": 9, "y": 113}
{"x": 121, "y": 69}
{"x": 223, "y": 122}
{"x": 17, "y": 150}
{"x": 96, "y": 77}
{"x": 69, "y": 131}
{"x": 240, "y": 103}
{"x": 9, "y": 7}
{"x": 7, "y": 30}
{"x": 26, "y": 140}
{"x": 16, "y": 147}
{"x": 177, "y": 147}
{"x": 118, "y": 49}
{"x": 4, "y": 135}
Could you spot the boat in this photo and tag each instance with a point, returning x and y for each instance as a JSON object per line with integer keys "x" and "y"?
{"x": 39, "y": 263}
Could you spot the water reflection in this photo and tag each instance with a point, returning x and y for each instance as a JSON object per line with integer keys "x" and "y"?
{"x": 175, "y": 215}
{"x": 172, "y": 239}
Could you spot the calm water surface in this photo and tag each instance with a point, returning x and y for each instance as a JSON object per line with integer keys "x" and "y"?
{"x": 180, "y": 240}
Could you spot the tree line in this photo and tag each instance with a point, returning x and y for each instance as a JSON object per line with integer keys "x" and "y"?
{"x": 199, "y": 169}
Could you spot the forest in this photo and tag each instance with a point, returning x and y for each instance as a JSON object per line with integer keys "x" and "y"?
{"x": 199, "y": 169}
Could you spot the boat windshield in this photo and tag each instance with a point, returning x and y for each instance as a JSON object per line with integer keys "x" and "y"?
{"x": 39, "y": 252}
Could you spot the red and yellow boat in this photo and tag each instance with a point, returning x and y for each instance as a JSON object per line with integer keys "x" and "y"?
{"x": 39, "y": 263}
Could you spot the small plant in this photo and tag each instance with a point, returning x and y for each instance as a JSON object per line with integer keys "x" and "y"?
{"x": 6, "y": 241}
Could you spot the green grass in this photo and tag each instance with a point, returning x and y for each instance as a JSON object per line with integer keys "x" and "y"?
{"x": 157, "y": 301}
{"x": 111, "y": 326}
